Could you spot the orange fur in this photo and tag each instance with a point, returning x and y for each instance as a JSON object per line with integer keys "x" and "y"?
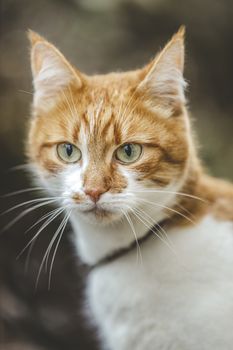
{"x": 117, "y": 108}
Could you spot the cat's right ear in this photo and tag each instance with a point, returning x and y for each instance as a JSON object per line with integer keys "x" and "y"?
{"x": 51, "y": 72}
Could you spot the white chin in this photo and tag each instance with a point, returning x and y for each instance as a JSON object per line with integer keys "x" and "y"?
{"x": 101, "y": 216}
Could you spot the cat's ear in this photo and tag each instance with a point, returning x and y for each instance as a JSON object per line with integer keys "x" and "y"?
{"x": 163, "y": 84}
{"x": 51, "y": 72}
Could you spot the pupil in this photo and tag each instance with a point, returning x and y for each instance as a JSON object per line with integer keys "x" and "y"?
{"x": 69, "y": 149}
{"x": 128, "y": 150}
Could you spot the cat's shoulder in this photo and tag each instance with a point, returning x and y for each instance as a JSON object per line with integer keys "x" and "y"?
{"x": 219, "y": 193}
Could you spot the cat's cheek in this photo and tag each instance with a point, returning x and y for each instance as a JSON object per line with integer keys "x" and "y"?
{"x": 62, "y": 181}
{"x": 45, "y": 179}
{"x": 71, "y": 181}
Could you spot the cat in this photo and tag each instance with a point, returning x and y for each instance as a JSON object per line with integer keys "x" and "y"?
{"x": 156, "y": 231}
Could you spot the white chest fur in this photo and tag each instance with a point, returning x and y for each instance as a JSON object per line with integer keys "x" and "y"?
{"x": 179, "y": 301}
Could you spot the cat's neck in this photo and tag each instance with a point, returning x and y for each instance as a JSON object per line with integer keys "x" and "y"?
{"x": 95, "y": 242}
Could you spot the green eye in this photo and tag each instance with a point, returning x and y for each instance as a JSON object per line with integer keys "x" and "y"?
{"x": 129, "y": 152}
{"x": 68, "y": 152}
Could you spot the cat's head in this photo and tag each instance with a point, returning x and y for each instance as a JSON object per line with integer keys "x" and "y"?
{"x": 105, "y": 143}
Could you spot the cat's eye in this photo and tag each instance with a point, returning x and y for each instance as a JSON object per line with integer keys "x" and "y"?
{"x": 128, "y": 153}
{"x": 68, "y": 152}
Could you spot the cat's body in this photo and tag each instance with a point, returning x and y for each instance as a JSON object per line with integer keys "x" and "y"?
{"x": 168, "y": 301}
{"x": 174, "y": 295}
{"x": 118, "y": 151}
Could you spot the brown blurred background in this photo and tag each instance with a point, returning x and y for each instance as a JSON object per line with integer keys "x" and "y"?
{"x": 97, "y": 36}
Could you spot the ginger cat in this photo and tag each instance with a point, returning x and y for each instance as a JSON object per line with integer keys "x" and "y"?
{"x": 117, "y": 150}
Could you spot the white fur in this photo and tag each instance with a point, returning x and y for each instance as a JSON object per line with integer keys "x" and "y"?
{"x": 181, "y": 301}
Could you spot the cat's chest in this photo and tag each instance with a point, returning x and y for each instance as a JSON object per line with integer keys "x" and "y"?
{"x": 189, "y": 269}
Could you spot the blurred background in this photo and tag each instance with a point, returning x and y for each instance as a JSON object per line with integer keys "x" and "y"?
{"x": 97, "y": 36}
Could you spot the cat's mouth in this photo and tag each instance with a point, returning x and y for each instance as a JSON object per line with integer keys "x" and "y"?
{"x": 97, "y": 211}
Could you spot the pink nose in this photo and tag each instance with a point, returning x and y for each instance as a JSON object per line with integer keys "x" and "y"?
{"x": 94, "y": 193}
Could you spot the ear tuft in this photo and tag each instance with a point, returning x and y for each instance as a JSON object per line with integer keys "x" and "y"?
{"x": 180, "y": 33}
{"x": 34, "y": 37}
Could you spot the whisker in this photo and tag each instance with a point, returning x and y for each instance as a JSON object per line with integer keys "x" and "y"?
{"x": 48, "y": 249}
{"x": 170, "y": 209}
{"x": 186, "y": 211}
{"x": 25, "y": 92}
{"x": 150, "y": 220}
{"x": 46, "y": 264}
{"x": 25, "y": 190}
{"x": 151, "y": 223}
{"x": 31, "y": 201}
{"x": 52, "y": 216}
{"x": 42, "y": 218}
{"x": 25, "y": 166}
{"x": 55, "y": 250}
{"x": 28, "y": 256}
{"x": 45, "y": 224}
{"x": 25, "y": 212}
{"x": 140, "y": 218}
{"x": 161, "y": 229}
{"x": 171, "y": 192}
{"x": 134, "y": 232}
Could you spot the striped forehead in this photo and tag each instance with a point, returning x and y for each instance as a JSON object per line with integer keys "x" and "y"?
{"x": 97, "y": 115}
{"x": 99, "y": 125}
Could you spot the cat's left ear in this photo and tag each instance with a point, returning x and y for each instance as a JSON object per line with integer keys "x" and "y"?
{"x": 163, "y": 84}
{"x": 51, "y": 72}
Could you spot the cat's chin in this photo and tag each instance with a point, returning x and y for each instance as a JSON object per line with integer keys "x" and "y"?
{"x": 100, "y": 216}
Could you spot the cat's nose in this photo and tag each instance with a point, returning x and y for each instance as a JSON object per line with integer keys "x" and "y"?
{"x": 94, "y": 193}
